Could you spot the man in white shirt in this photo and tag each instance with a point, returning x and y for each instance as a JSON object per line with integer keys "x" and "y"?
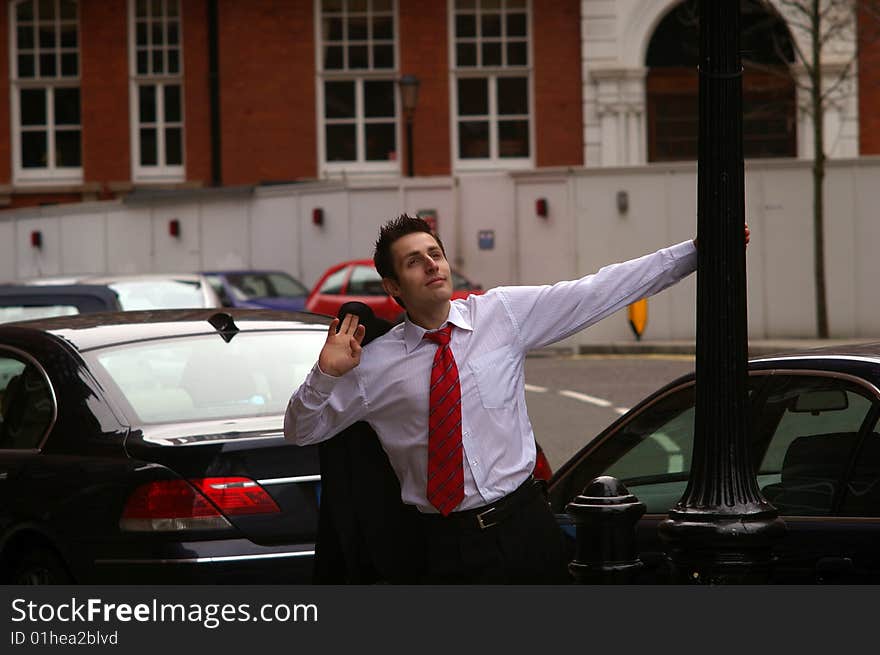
{"x": 485, "y": 519}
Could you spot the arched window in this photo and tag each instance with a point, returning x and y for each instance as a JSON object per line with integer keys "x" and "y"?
{"x": 769, "y": 111}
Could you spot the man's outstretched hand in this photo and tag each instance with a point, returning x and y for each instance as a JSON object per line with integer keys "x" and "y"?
{"x": 342, "y": 350}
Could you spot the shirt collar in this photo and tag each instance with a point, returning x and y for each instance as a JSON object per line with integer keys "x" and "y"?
{"x": 413, "y": 334}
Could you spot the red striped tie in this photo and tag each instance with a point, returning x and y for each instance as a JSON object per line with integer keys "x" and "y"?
{"x": 445, "y": 489}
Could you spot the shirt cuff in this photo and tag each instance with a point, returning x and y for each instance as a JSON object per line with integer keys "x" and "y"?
{"x": 320, "y": 381}
{"x": 683, "y": 249}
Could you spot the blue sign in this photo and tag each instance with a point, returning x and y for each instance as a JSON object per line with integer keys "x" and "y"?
{"x": 486, "y": 239}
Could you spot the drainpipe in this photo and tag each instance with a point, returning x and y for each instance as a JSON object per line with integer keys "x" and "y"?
{"x": 214, "y": 83}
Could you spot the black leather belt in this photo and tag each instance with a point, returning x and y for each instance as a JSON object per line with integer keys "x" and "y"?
{"x": 494, "y": 513}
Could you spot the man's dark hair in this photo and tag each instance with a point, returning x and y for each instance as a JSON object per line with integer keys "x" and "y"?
{"x": 391, "y": 232}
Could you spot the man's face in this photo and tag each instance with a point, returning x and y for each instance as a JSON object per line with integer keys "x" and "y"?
{"x": 423, "y": 276}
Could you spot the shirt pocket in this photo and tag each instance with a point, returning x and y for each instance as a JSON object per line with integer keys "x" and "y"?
{"x": 494, "y": 375}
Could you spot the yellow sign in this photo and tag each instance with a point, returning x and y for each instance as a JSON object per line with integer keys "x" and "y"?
{"x": 638, "y": 316}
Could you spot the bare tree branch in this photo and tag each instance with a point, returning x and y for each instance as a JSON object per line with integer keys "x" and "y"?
{"x": 844, "y": 75}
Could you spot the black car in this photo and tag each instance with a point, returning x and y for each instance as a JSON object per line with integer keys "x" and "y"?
{"x": 815, "y": 445}
{"x": 147, "y": 447}
{"x": 20, "y": 302}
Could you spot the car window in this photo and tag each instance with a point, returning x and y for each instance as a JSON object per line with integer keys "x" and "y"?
{"x": 217, "y": 285}
{"x": 26, "y": 404}
{"x": 248, "y": 285}
{"x": 365, "y": 281}
{"x": 333, "y": 283}
{"x": 25, "y": 313}
{"x": 816, "y": 422}
{"x": 656, "y": 468}
{"x": 204, "y": 377}
{"x": 651, "y": 454}
{"x": 862, "y": 494}
{"x": 285, "y": 285}
{"x": 159, "y": 294}
{"x": 261, "y": 285}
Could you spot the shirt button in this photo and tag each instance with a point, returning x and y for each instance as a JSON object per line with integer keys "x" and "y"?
{"x": 474, "y": 462}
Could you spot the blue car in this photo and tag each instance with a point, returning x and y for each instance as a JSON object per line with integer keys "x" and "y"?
{"x": 258, "y": 289}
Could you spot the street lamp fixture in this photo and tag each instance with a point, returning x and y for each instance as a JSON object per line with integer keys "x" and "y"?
{"x": 409, "y": 98}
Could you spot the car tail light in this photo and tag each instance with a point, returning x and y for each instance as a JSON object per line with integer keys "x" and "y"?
{"x": 542, "y": 466}
{"x": 173, "y": 505}
{"x": 237, "y": 496}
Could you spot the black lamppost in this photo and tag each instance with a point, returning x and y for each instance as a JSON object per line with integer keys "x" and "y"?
{"x": 722, "y": 530}
{"x": 409, "y": 97}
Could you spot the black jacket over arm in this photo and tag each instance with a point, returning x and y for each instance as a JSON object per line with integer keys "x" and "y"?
{"x": 366, "y": 534}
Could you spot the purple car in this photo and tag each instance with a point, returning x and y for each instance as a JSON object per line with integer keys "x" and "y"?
{"x": 258, "y": 289}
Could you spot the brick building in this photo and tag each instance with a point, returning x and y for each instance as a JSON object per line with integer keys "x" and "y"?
{"x": 103, "y": 97}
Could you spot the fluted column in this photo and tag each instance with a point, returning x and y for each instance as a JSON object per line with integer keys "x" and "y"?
{"x": 722, "y": 530}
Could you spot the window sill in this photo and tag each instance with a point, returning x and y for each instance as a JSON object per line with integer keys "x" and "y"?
{"x": 491, "y": 165}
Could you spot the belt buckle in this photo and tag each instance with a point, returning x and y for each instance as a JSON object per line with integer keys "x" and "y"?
{"x": 483, "y": 524}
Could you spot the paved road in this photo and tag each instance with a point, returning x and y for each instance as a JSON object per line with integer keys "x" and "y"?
{"x": 571, "y": 399}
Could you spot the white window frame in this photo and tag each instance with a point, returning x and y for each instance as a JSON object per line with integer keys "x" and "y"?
{"x": 360, "y": 166}
{"x": 491, "y": 73}
{"x": 51, "y": 174}
{"x": 160, "y": 172}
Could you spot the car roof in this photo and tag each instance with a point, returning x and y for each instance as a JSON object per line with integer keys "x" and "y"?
{"x": 34, "y": 292}
{"x": 134, "y": 277}
{"x": 88, "y": 331}
{"x": 246, "y": 271}
{"x": 863, "y": 351}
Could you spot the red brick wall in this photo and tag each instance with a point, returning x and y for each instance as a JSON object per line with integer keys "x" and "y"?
{"x": 558, "y": 109}
{"x": 424, "y": 52}
{"x": 869, "y": 82}
{"x": 196, "y": 91}
{"x": 268, "y": 90}
{"x": 37, "y": 199}
{"x": 104, "y": 92}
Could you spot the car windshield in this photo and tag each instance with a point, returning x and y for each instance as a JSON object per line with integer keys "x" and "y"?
{"x": 264, "y": 285}
{"x": 203, "y": 377}
{"x": 159, "y": 294}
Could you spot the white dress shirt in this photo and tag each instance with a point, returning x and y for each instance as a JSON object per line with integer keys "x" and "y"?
{"x": 493, "y": 332}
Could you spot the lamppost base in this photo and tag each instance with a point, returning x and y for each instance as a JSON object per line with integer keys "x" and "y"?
{"x": 711, "y": 549}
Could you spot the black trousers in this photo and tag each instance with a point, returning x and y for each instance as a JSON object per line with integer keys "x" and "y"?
{"x": 528, "y": 547}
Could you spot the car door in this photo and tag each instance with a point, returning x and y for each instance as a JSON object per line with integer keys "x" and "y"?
{"x": 808, "y": 429}
{"x": 327, "y": 299}
{"x": 819, "y": 468}
{"x": 27, "y": 411}
{"x": 650, "y": 451}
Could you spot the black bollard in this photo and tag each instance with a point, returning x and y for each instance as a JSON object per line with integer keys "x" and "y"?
{"x": 605, "y": 515}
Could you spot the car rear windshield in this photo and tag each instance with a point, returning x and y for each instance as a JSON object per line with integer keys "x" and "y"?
{"x": 203, "y": 377}
{"x": 159, "y": 294}
{"x": 265, "y": 285}
{"x": 26, "y": 313}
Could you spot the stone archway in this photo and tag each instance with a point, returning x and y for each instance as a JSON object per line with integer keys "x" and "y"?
{"x": 769, "y": 109}
{"x": 615, "y": 42}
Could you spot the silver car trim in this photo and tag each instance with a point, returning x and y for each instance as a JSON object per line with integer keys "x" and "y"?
{"x": 30, "y": 358}
{"x": 208, "y": 560}
{"x": 851, "y": 358}
{"x": 294, "y": 480}
{"x": 197, "y": 440}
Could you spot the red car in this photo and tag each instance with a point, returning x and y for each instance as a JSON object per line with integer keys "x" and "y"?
{"x": 358, "y": 280}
